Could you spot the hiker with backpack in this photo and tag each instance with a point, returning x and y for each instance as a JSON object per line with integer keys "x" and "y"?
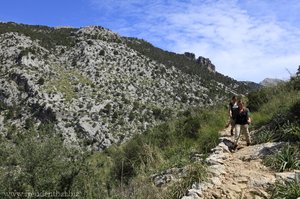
{"x": 242, "y": 122}
{"x": 233, "y": 110}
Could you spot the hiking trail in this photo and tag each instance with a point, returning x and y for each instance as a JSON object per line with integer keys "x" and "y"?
{"x": 240, "y": 174}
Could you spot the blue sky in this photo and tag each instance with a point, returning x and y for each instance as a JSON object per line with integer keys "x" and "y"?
{"x": 245, "y": 39}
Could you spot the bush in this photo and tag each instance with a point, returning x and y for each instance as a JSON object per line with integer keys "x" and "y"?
{"x": 41, "y": 81}
{"x": 290, "y": 132}
{"x": 94, "y": 177}
{"x": 295, "y": 82}
{"x": 257, "y": 99}
{"x": 161, "y": 136}
{"x": 157, "y": 113}
{"x": 191, "y": 127}
{"x": 136, "y": 156}
{"x": 286, "y": 159}
{"x": 37, "y": 162}
{"x": 295, "y": 112}
{"x": 263, "y": 137}
{"x": 2, "y": 106}
{"x": 288, "y": 190}
{"x": 196, "y": 173}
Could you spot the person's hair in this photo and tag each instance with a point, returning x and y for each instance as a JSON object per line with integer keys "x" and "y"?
{"x": 240, "y": 101}
{"x": 234, "y": 98}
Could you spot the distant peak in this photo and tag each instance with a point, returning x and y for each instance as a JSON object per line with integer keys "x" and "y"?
{"x": 271, "y": 82}
{"x": 98, "y": 32}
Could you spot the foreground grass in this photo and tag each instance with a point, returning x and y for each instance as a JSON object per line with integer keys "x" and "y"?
{"x": 287, "y": 190}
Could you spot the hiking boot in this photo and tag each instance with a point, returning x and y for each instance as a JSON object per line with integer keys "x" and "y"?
{"x": 233, "y": 148}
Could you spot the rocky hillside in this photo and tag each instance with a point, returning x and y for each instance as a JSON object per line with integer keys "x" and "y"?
{"x": 96, "y": 87}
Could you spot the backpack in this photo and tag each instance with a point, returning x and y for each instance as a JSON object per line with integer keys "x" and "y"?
{"x": 242, "y": 117}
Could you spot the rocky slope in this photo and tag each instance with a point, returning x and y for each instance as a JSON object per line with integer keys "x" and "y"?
{"x": 94, "y": 87}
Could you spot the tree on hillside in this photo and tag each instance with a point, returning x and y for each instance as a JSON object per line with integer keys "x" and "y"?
{"x": 298, "y": 72}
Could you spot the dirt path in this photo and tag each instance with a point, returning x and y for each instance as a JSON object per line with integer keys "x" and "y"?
{"x": 240, "y": 174}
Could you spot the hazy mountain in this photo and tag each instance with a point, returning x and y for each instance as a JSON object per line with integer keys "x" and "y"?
{"x": 270, "y": 82}
{"x": 97, "y": 87}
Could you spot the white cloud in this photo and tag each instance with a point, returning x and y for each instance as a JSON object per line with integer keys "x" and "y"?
{"x": 247, "y": 40}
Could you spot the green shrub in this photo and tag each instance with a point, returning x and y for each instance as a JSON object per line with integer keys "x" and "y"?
{"x": 196, "y": 173}
{"x": 191, "y": 127}
{"x": 295, "y": 112}
{"x": 212, "y": 120}
{"x": 282, "y": 126}
{"x": 263, "y": 137}
{"x": 288, "y": 190}
{"x": 161, "y": 136}
{"x": 285, "y": 159}
{"x": 29, "y": 123}
{"x": 295, "y": 82}
{"x": 157, "y": 113}
{"x": 3, "y": 106}
{"x": 94, "y": 176}
{"x": 136, "y": 157}
{"x": 290, "y": 132}
{"x": 37, "y": 162}
{"x": 139, "y": 187}
{"x": 283, "y": 105}
{"x": 257, "y": 99}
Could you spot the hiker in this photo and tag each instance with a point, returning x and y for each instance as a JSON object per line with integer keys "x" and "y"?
{"x": 242, "y": 122}
{"x": 232, "y": 111}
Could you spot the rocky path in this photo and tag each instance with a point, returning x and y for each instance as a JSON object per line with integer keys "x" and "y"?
{"x": 239, "y": 174}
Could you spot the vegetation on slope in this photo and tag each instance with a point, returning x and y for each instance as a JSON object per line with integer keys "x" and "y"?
{"x": 278, "y": 117}
{"x": 185, "y": 64}
{"x": 36, "y": 160}
{"x": 49, "y": 37}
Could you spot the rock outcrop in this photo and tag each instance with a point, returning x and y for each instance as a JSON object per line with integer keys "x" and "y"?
{"x": 201, "y": 61}
{"x": 207, "y": 63}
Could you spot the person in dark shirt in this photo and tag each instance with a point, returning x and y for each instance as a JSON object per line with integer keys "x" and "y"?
{"x": 242, "y": 122}
{"x": 232, "y": 111}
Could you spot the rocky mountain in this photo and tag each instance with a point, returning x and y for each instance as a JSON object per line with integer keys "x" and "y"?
{"x": 271, "y": 82}
{"x": 97, "y": 87}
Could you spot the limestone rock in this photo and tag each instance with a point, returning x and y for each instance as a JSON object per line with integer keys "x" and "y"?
{"x": 96, "y": 88}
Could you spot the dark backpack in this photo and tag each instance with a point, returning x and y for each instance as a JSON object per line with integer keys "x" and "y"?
{"x": 242, "y": 117}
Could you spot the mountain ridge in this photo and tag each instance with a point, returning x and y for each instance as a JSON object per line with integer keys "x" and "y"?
{"x": 97, "y": 87}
